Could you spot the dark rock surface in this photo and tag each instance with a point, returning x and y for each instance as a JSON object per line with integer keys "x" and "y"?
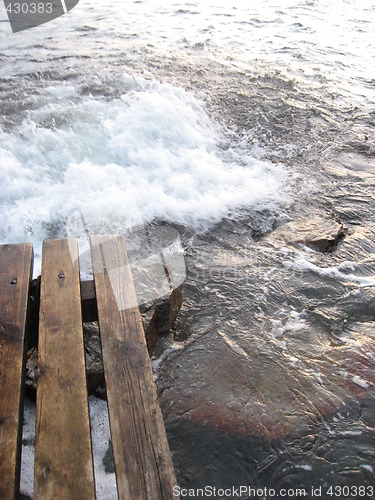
{"x": 319, "y": 234}
{"x": 94, "y": 362}
{"x": 108, "y": 460}
{"x": 31, "y": 375}
{"x": 34, "y": 302}
{"x": 158, "y": 320}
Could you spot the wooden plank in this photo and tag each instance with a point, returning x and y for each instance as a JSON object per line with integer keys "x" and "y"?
{"x": 142, "y": 459}
{"x": 15, "y": 276}
{"x": 63, "y": 455}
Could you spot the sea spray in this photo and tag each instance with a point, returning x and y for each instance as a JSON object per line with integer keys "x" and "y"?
{"x": 154, "y": 152}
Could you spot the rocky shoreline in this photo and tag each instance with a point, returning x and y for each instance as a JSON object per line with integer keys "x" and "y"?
{"x": 159, "y": 316}
{"x": 158, "y": 319}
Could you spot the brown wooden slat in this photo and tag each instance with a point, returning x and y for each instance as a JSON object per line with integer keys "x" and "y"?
{"x": 142, "y": 459}
{"x": 15, "y": 276}
{"x": 63, "y": 456}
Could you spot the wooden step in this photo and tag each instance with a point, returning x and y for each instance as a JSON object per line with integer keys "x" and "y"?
{"x": 142, "y": 459}
{"x": 63, "y": 455}
{"x": 15, "y": 275}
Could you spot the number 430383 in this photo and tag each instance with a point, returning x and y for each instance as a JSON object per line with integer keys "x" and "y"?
{"x": 29, "y": 8}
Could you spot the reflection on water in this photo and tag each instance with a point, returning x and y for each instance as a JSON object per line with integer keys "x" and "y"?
{"x": 276, "y": 383}
{"x": 262, "y": 128}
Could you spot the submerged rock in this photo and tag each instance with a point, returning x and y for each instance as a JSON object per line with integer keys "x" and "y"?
{"x": 319, "y": 234}
{"x": 225, "y": 382}
{"x": 277, "y": 360}
{"x": 158, "y": 320}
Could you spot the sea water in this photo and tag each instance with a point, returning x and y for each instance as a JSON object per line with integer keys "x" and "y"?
{"x": 225, "y": 122}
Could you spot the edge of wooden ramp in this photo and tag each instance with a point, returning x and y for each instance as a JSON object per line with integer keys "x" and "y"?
{"x": 16, "y": 263}
{"x": 142, "y": 458}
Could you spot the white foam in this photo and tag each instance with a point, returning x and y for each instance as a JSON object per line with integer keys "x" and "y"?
{"x": 362, "y": 383}
{"x": 62, "y": 91}
{"x": 302, "y": 264}
{"x": 304, "y": 467}
{"x": 155, "y": 150}
{"x": 350, "y": 433}
{"x": 295, "y": 322}
{"x": 157, "y": 362}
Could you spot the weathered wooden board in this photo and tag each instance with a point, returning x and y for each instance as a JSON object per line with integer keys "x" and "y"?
{"x": 15, "y": 275}
{"x": 142, "y": 459}
{"x": 63, "y": 456}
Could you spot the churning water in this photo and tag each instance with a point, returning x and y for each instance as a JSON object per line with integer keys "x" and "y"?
{"x": 247, "y": 127}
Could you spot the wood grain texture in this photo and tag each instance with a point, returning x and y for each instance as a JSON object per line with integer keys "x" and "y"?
{"x": 15, "y": 276}
{"x": 142, "y": 458}
{"x": 63, "y": 456}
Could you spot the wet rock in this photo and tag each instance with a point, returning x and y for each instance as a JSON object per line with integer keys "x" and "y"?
{"x": 94, "y": 362}
{"x": 158, "y": 320}
{"x": 224, "y": 382}
{"x": 319, "y": 234}
{"x": 31, "y": 372}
